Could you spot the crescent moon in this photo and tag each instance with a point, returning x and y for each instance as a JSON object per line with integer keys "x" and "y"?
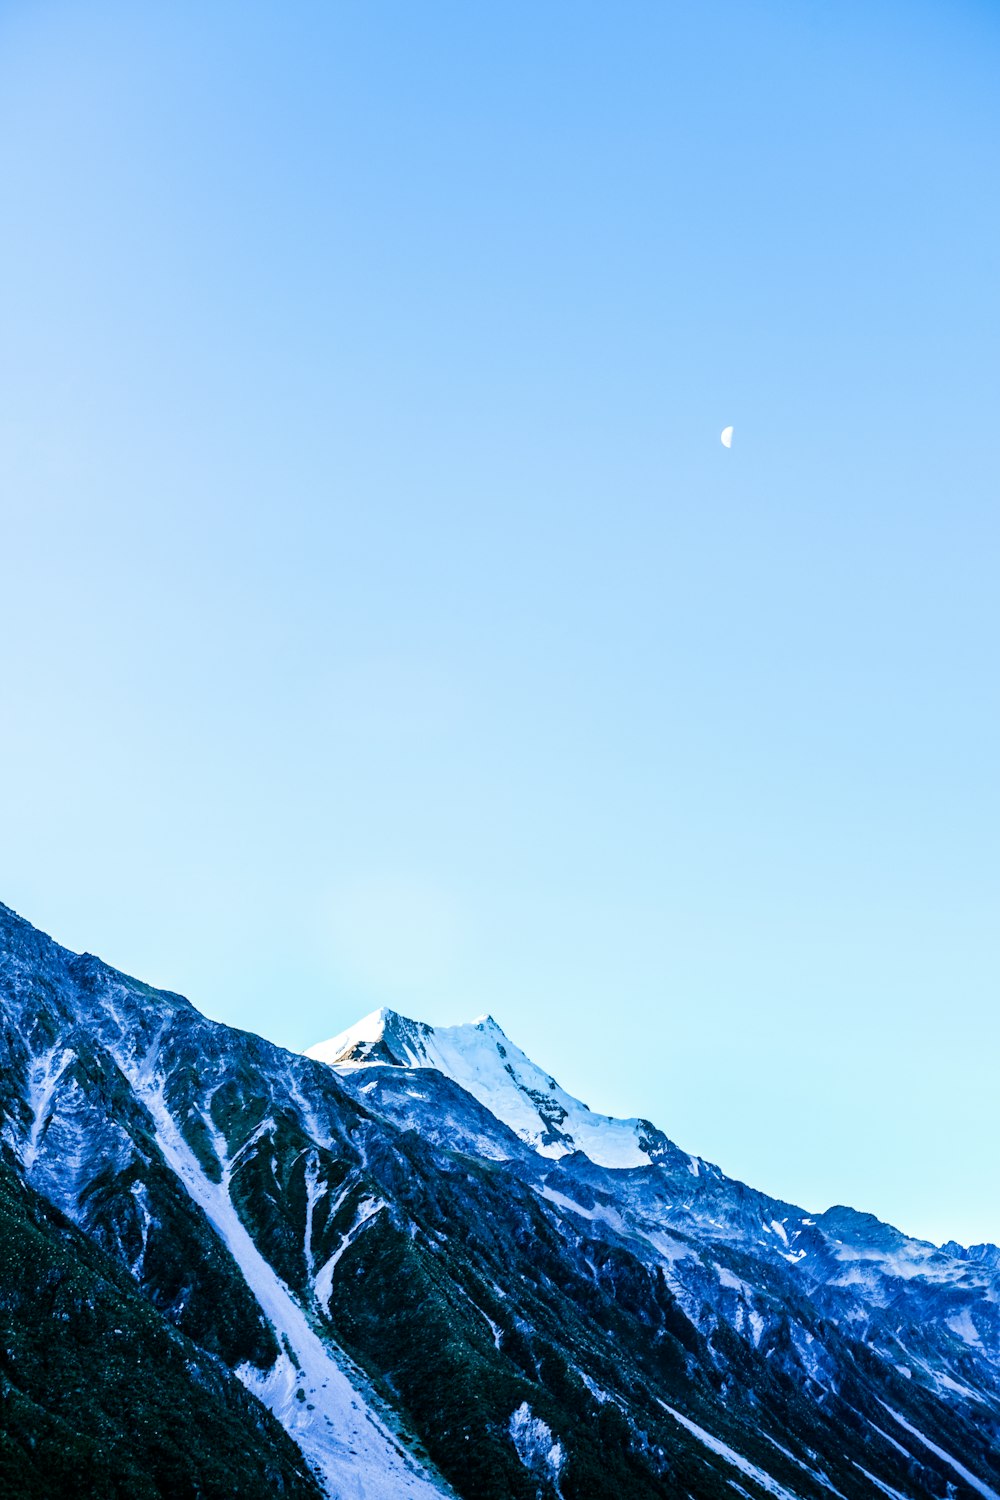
{"x": 727, "y": 437}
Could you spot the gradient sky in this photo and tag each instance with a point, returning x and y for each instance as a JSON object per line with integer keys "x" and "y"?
{"x": 384, "y": 622}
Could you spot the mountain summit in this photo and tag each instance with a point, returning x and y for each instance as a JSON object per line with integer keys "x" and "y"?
{"x": 481, "y": 1059}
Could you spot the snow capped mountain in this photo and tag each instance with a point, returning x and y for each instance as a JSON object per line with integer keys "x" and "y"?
{"x": 483, "y": 1061}
{"x": 94, "y": 1118}
{"x": 426, "y": 1270}
{"x": 930, "y": 1310}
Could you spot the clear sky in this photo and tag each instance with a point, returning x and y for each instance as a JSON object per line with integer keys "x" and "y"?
{"x": 383, "y": 620}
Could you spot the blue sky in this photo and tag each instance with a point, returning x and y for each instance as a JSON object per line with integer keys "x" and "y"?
{"x": 384, "y": 621}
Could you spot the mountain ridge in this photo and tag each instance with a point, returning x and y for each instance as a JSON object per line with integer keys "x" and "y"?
{"x": 429, "y": 1304}
{"x": 480, "y": 1057}
{"x": 381, "y": 1038}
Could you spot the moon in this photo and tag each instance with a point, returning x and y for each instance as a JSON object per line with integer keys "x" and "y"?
{"x": 727, "y": 437}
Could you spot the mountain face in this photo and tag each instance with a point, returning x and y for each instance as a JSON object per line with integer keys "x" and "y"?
{"x": 493, "y": 1070}
{"x": 104, "y": 1398}
{"x": 411, "y": 1265}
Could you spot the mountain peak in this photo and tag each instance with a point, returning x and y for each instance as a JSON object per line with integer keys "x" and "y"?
{"x": 481, "y": 1059}
{"x": 383, "y": 1036}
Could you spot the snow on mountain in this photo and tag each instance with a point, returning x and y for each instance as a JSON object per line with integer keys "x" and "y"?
{"x": 481, "y": 1059}
{"x": 101, "y": 1122}
{"x": 861, "y": 1271}
{"x": 308, "y": 1388}
{"x": 436, "y": 1267}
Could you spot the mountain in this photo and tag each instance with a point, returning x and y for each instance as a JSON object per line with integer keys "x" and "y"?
{"x": 438, "y": 1274}
{"x": 104, "y": 1398}
{"x": 484, "y": 1062}
{"x": 935, "y": 1313}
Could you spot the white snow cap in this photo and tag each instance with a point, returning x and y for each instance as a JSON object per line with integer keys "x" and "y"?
{"x": 481, "y": 1059}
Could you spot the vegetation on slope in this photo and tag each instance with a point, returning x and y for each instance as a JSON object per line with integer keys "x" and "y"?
{"x": 101, "y": 1398}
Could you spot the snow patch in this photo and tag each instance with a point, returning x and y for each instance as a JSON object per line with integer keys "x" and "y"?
{"x": 880, "y": 1484}
{"x": 367, "y": 1209}
{"x": 315, "y": 1190}
{"x": 960, "y": 1469}
{"x": 46, "y": 1072}
{"x": 138, "y": 1191}
{"x": 963, "y": 1325}
{"x": 600, "y": 1395}
{"x": 539, "y": 1452}
{"x": 731, "y": 1456}
{"x": 551, "y": 1195}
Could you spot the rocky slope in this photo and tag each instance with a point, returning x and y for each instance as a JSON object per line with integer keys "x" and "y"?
{"x": 435, "y": 1291}
{"x": 101, "y": 1396}
{"x": 935, "y": 1312}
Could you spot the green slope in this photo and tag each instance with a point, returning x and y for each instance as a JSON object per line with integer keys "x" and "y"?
{"x": 100, "y": 1397}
